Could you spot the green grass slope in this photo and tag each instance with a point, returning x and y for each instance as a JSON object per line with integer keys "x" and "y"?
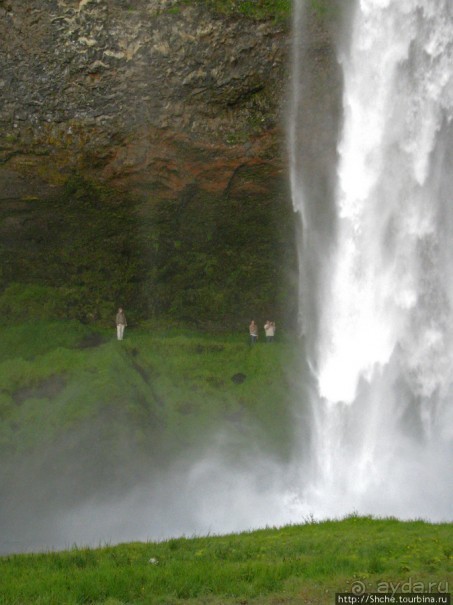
{"x": 56, "y": 376}
{"x": 290, "y": 565}
{"x": 85, "y": 416}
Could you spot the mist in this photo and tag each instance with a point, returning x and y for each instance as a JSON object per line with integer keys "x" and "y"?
{"x": 217, "y": 492}
{"x": 371, "y": 380}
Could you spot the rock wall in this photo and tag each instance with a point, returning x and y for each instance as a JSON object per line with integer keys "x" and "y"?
{"x": 169, "y": 110}
{"x": 146, "y": 94}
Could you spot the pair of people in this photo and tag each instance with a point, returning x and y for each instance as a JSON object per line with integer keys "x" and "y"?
{"x": 269, "y": 330}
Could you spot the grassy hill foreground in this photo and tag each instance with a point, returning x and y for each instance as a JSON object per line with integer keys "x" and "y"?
{"x": 82, "y": 414}
{"x": 286, "y": 566}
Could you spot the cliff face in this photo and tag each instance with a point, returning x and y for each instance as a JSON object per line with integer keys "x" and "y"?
{"x": 163, "y": 112}
{"x": 150, "y": 94}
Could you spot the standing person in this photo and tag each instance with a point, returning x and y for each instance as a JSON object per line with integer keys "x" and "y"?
{"x": 269, "y": 328}
{"x": 253, "y": 331}
{"x": 121, "y": 323}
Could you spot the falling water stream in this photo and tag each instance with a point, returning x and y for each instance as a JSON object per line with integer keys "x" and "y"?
{"x": 377, "y": 273}
{"x": 372, "y": 185}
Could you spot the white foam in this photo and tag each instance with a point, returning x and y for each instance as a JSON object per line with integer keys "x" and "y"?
{"x": 383, "y": 351}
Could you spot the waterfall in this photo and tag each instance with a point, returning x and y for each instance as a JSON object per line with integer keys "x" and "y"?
{"x": 376, "y": 273}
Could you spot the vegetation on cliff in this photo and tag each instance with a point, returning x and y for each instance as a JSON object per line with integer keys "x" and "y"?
{"x": 265, "y": 9}
{"x": 201, "y": 260}
{"x": 257, "y": 9}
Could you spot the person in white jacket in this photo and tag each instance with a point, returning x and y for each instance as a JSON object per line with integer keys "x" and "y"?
{"x": 269, "y": 329}
{"x": 121, "y": 323}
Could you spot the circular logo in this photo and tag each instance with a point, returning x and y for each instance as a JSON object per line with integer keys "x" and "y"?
{"x": 358, "y": 587}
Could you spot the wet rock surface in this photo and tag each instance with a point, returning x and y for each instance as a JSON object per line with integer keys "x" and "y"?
{"x": 143, "y": 160}
{"x": 127, "y": 90}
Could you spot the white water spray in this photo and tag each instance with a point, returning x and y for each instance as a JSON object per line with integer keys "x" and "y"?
{"x": 382, "y": 350}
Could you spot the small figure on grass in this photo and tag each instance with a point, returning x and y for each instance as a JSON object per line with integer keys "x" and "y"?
{"x": 121, "y": 323}
{"x": 253, "y": 331}
{"x": 269, "y": 329}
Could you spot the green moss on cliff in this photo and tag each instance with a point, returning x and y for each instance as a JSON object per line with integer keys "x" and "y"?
{"x": 256, "y": 9}
{"x": 202, "y": 259}
{"x": 219, "y": 260}
{"x": 75, "y": 256}
{"x": 266, "y": 9}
